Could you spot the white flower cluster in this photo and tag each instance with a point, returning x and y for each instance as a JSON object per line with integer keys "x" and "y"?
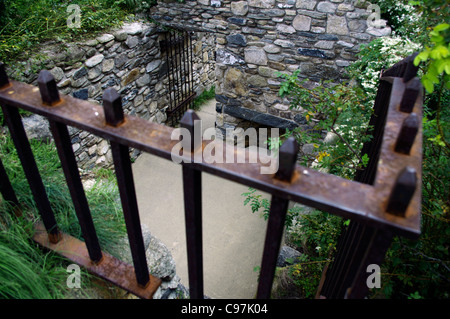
{"x": 393, "y": 49}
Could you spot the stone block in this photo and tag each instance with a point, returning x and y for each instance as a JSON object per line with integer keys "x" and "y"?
{"x": 255, "y": 55}
{"x": 236, "y": 20}
{"x": 239, "y": 8}
{"x": 120, "y": 35}
{"x": 96, "y": 59}
{"x": 131, "y": 76}
{"x": 271, "y": 48}
{"x": 267, "y": 72}
{"x": 262, "y": 3}
{"x": 324, "y": 44}
{"x": 257, "y": 81}
{"x": 306, "y": 4}
{"x": 337, "y": 25}
{"x": 105, "y": 38}
{"x": 235, "y": 82}
{"x": 132, "y": 41}
{"x": 302, "y": 23}
{"x": 326, "y": 7}
{"x": 143, "y": 80}
{"x": 284, "y": 28}
{"x": 82, "y": 94}
{"x": 237, "y": 39}
{"x": 57, "y": 73}
{"x": 107, "y": 65}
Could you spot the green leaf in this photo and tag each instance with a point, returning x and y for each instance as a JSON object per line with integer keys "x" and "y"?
{"x": 365, "y": 159}
{"x": 439, "y": 52}
{"x": 447, "y": 66}
{"x": 428, "y": 85}
{"x": 441, "y": 27}
{"x": 422, "y": 56}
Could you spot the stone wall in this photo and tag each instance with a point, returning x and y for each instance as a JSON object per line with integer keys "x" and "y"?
{"x": 258, "y": 38}
{"x": 128, "y": 59}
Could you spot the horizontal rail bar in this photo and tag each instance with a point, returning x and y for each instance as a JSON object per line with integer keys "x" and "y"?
{"x": 330, "y": 193}
{"x": 181, "y": 104}
{"x": 109, "y": 268}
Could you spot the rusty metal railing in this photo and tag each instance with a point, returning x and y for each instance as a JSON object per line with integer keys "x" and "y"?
{"x": 390, "y": 205}
{"x": 398, "y": 100}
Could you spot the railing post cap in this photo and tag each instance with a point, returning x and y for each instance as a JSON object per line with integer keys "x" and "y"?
{"x": 110, "y": 95}
{"x": 188, "y": 118}
{"x": 3, "y": 76}
{"x": 287, "y": 159}
{"x": 112, "y": 106}
{"x": 402, "y": 192}
{"x": 47, "y": 87}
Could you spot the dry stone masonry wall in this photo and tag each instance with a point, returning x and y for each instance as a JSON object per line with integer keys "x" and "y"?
{"x": 128, "y": 59}
{"x": 258, "y": 38}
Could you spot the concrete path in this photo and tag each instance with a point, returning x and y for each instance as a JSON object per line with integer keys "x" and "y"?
{"x": 233, "y": 237}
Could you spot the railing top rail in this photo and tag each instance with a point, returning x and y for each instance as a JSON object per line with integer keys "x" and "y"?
{"x": 350, "y": 199}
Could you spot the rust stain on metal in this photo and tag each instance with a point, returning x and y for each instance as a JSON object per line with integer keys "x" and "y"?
{"x": 108, "y": 268}
{"x": 350, "y": 199}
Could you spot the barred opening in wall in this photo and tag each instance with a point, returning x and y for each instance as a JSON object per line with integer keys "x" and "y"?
{"x": 176, "y": 48}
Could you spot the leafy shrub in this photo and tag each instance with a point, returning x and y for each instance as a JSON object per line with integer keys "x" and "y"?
{"x": 376, "y": 56}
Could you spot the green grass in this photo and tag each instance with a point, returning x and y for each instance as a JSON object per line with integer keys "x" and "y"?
{"x": 204, "y": 97}
{"x": 27, "y": 271}
{"x": 24, "y": 23}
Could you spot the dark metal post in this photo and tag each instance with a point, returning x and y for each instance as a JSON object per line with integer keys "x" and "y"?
{"x": 412, "y": 90}
{"x": 31, "y": 171}
{"x": 351, "y": 250}
{"x": 30, "y": 168}
{"x": 375, "y": 252}
{"x": 169, "y": 68}
{"x": 192, "y": 188}
{"x": 5, "y": 187}
{"x": 114, "y": 116}
{"x": 4, "y": 81}
{"x": 70, "y": 168}
{"x": 50, "y": 96}
{"x": 407, "y": 135}
{"x": 275, "y": 226}
{"x": 47, "y": 87}
{"x": 402, "y": 192}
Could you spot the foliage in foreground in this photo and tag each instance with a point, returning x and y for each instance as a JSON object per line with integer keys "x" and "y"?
{"x": 25, "y": 23}
{"x": 27, "y": 271}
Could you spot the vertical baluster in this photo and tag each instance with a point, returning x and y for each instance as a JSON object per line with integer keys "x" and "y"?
{"x": 192, "y": 188}
{"x": 30, "y": 168}
{"x": 70, "y": 168}
{"x": 347, "y": 242}
{"x": 4, "y": 81}
{"x": 169, "y": 69}
{"x": 181, "y": 55}
{"x": 5, "y": 187}
{"x": 114, "y": 116}
{"x": 275, "y": 226}
{"x": 31, "y": 171}
{"x": 50, "y": 96}
{"x": 192, "y": 62}
{"x": 375, "y": 251}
